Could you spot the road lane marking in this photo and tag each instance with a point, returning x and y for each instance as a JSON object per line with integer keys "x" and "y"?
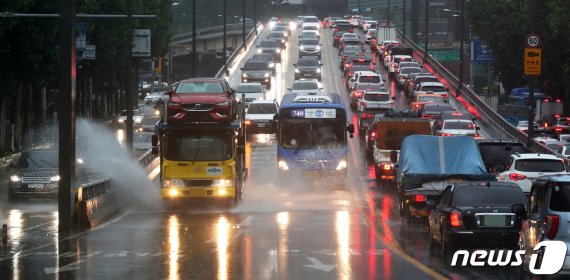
{"x": 316, "y": 264}
{"x": 70, "y": 266}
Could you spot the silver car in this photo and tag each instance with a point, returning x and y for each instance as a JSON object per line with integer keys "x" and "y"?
{"x": 306, "y": 87}
{"x": 548, "y": 218}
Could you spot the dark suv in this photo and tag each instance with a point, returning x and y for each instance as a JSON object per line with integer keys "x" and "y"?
{"x": 202, "y": 100}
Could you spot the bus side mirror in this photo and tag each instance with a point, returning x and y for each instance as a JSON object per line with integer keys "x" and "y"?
{"x": 154, "y": 140}
{"x": 394, "y": 156}
{"x": 350, "y": 129}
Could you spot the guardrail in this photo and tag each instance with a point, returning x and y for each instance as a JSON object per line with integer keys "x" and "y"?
{"x": 237, "y": 27}
{"x": 486, "y": 114}
{"x": 236, "y": 51}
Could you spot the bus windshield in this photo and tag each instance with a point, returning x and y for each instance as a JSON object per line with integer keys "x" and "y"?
{"x": 311, "y": 133}
{"x": 198, "y": 147}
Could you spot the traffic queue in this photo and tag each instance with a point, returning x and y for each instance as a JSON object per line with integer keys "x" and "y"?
{"x": 467, "y": 189}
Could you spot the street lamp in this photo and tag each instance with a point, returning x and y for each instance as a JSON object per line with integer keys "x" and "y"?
{"x": 426, "y": 30}
{"x": 461, "y": 39}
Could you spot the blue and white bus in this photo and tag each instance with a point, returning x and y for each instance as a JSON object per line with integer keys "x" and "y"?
{"x": 312, "y": 136}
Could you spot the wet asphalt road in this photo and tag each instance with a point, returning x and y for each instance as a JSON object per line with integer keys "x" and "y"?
{"x": 294, "y": 229}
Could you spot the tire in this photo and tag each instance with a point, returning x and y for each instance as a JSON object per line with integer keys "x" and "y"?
{"x": 446, "y": 249}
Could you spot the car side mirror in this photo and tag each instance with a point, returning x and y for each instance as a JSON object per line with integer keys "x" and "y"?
{"x": 352, "y": 79}
{"x": 321, "y": 88}
{"x": 393, "y": 98}
{"x": 257, "y": 46}
{"x": 154, "y": 140}
{"x": 430, "y": 202}
{"x": 288, "y": 88}
{"x": 350, "y": 128}
{"x": 394, "y": 156}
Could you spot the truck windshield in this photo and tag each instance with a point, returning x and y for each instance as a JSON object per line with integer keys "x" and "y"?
{"x": 198, "y": 147}
{"x": 308, "y": 133}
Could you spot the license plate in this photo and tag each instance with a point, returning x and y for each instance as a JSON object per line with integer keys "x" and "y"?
{"x": 35, "y": 186}
{"x": 307, "y": 75}
{"x": 260, "y": 125}
{"x": 494, "y": 221}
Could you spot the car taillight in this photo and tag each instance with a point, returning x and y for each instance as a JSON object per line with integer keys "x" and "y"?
{"x": 366, "y": 116}
{"x": 455, "y": 219}
{"x": 394, "y": 65}
{"x": 350, "y": 30}
{"x": 420, "y": 198}
{"x": 397, "y": 71}
{"x": 516, "y": 176}
{"x": 358, "y": 94}
{"x": 363, "y": 104}
{"x": 476, "y": 135}
{"x": 444, "y": 134}
{"x": 385, "y": 54}
{"x": 388, "y": 167}
{"x": 418, "y": 106}
{"x": 382, "y": 48}
{"x": 444, "y": 95}
{"x": 371, "y": 66}
{"x": 247, "y": 122}
{"x": 551, "y": 222}
{"x": 558, "y": 129}
{"x": 347, "y": 65}
{"x": 373, "y": 136}
{"x": 350, "y": 74}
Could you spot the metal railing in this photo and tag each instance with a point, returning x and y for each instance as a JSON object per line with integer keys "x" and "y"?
{"x": 230, "y": 29}
{"x": 489, "y": 117}
{"x": 234, "y": 54}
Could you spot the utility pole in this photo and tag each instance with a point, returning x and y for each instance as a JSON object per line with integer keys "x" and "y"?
{"x": 194, "y": 39}
{"x": 426, "y": 30}
{"x": 243, "y": 23}
{"x": 404, "y": 18}
{"x": 461, "y": 39}
{"x": 388, "y": 11}
{"x": 66, "y": 114}
{"x": 129, "y": 88}
{"x": 255, "y": 15}
{"x": 225, "y": 32}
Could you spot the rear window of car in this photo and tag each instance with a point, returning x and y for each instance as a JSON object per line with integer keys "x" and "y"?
{"x": 434, "y": 99}
{"x": 457, "y": 125}
{"x": 436, "y": 108}
{"x": 369, "y": 87}
{"x": 260, "y": 108}
{"x": 255, "y": 65}
{"x": 426, "y": 79}
{"x": 473, "y": 196}
{"x": 560, "y": 198}
{"x": 310, "y": 19}
{"x": 539, "y": 165}
{"x": 376, "y": 97}
{"x": 352, "y": 42}
{"x": 433, "y": 88}
{"x": 369, "y": 79}
{"x": 305, "y": 86}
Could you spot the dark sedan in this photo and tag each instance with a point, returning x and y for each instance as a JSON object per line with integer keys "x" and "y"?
{"x": 308, "y": 67}
{"x": 256, "y": 71}
{"x": 477, "y": 214}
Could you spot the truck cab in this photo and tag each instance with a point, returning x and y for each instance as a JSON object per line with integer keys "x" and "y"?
{"x": 202, "y": 161}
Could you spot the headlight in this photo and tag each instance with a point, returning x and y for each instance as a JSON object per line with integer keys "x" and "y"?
{"x": 318, "y": 70}
{"x": 244, "y": 75}
{"x": 318, "y": 48}
{"x": 156, "y": 112}
{"x": 15, "y": 178}
{"x": 297, "y": 70}
{"x": 266, "y": 75}
{"x": 271, "y": 65}
{"x": 283, "y": 165}
{"x": 80, "y": 161}
{"x": 259, "y": 50}
{"x": 55, "y": 178}
{"x": 341, "y": 165}
{"x": 173, "y": 192}
{"x": 302, "y": 48}
{"x": 282, "y": 40}
{"x": 278, "y": 51}
{"x": 222, "y": 183}
{"x": 223, "y": 104}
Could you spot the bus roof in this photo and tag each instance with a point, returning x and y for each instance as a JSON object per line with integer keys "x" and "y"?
{"x": 330, "y": 100}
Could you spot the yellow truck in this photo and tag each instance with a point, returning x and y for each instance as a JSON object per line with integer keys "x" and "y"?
{"x": 201, "y": 161}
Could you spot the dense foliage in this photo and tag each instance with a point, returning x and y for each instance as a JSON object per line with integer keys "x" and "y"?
{"x": 504, "y": 24}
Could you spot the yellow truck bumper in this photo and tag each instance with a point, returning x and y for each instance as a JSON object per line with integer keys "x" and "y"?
{"x": 197, "y": 192}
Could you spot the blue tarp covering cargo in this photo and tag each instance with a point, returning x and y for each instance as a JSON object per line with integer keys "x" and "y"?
{"x": 434, "y": 158}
